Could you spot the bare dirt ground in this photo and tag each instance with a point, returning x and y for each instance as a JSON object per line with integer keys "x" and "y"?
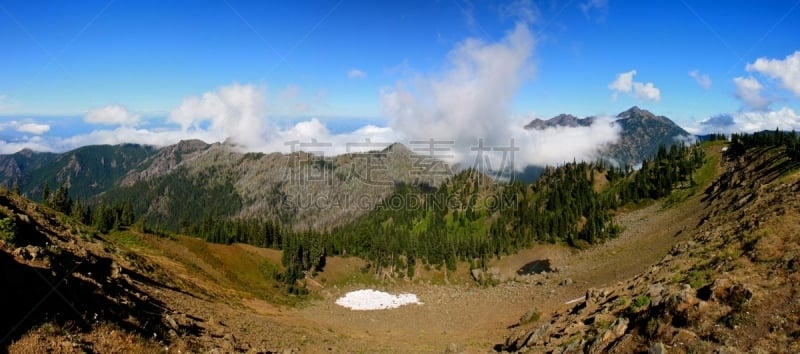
{"x": 473, "y": 318}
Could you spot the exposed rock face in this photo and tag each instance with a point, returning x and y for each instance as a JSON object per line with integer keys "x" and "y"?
{"x": 488, "y": 276}
{"x": 731, "y": 288}
{"x": 165, "y": 161}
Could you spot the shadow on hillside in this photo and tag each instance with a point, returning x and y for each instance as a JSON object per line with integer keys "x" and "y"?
{"x": 535, "y": 267}
{"x": 767, "y": 169}
{"x": 74, "y": 293}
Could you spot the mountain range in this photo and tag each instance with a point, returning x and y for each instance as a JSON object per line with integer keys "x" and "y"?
{"x": 191, "y": 181}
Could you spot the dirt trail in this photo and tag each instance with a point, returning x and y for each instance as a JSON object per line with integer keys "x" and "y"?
{"x": 474, "y": 317}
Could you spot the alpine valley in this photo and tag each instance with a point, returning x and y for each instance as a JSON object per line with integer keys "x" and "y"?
{"x": 660, "y": 243}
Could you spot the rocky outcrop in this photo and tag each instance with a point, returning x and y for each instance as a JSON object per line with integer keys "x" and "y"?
{"x": 730, "y": 288}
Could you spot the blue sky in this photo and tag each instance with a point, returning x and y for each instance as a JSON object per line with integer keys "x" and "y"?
{"x": 187, "y": 68}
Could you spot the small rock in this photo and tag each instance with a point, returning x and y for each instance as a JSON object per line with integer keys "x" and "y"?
{"x": 567, "y": 282}
{"x": 171, "y": 322}
{"x": 453, "y": 348}
{"x": 592, "y": 295}
{"x": 655, "y": 292}
{"x": 537, "y": 336}
{"x": 684, "y": 336}
{"x": 33, "y": 251}
{"x": 531, "y": 315}
{"x": 657, "y": 348}
{"x": 20, "y": 252}
{"x": 619, "y": 326}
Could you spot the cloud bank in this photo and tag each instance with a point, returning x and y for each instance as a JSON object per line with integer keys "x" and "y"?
{"x": 785, "y": 119}
{"x": 786, "y": 70}
{"x": 112, "y": 115}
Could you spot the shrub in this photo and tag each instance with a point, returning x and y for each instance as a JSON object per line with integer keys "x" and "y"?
{"x": 8, "y": 230}
{"x": 640, "y": 302}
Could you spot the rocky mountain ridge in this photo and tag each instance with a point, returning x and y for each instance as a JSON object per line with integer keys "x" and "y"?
{"x": 642, "y": 133}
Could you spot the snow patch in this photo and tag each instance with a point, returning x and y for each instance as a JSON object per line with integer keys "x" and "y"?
{"x": 369, "y": 299}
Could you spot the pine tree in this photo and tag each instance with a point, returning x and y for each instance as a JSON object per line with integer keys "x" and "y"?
{"x": 45, "y": 193}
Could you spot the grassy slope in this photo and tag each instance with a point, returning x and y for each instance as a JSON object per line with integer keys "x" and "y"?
{"x": 212, "y": 271}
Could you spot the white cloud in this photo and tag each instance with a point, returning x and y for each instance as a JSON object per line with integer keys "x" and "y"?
{"x": 597, "y": 9}
{"x": 133, "y": 135}
{"x": 646, "y": 92}
{"x": 752, "y": 121}
{"x": 702, "y": 79}
{"x": 112, "y": 115}
{"x": 235, "y": 111}
{"x": 27, "y": 127}
{"x": 356, "y": 74}
{"x": 557, "y": 145}
{"x": 786, "y": 70}
{"x": 35, "y": 144}
{"x": 469, "y": 101}
{"x": 642, "y": 91}
{"x": 748, "y": 89}
{"x": 33, "y": 128}
{"x": 624, "y": 82}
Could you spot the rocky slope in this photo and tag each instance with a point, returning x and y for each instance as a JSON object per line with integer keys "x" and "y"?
{"x": 53, "y": 271}
{"x": 299, "y": 189}
{"x": 67, "y": 289}
{"x": 732, "y": 287}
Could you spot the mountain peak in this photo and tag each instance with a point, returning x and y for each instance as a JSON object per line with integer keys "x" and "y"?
{"x": 561, "y": 120}
{"x": 190, "y": 145}
{"x": 397, "y": 148}
{"x": 635, "y": 111}
{"x": 27, "y": 152}
{"x": 643, "y": 114}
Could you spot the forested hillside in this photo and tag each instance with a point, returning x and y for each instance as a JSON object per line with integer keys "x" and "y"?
{"x": 88, "y": 171}
{"x": 471, "y": 218}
